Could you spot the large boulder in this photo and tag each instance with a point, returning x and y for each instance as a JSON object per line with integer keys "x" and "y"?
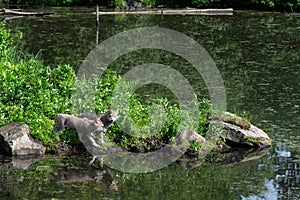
{"x": 241, "y": 135}
{"x": 15, "y": 140}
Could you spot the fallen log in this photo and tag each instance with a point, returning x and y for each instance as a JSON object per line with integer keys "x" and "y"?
{"x": 6, "y": 18}
{"x": 228, "y": 11}
{"x": 21, "y": 13}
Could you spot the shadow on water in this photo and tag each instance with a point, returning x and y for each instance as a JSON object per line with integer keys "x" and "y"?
{"x": 258, "y": 56}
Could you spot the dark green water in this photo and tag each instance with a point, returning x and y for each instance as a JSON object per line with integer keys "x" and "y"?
{"x": 258, "y": 55}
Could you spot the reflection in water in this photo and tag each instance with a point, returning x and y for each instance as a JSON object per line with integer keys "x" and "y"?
{"x": 272, "y": 176}
{"x": 270, "y": 193}
{"x": 88, "y": 173}
{"x": 286, "y": 181}
{"x": 287, "y": 175}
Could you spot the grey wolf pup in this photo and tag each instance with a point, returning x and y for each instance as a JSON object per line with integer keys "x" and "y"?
{"x": 86, "y": 124}
{"x": 103, "y": 120}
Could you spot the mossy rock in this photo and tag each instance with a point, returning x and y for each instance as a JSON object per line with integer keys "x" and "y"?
{"x": 237, "y": 135}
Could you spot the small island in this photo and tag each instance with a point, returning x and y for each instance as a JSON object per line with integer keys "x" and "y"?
{"x": 28, "y": 123}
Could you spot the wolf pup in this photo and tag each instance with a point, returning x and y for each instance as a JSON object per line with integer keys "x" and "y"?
{"x": 103, "y": 120}
{"x": 86, "y": 124}
{"x": 84, "y": 127}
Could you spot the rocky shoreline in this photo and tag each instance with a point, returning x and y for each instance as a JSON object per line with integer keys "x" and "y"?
{"x": 237, "y": 142}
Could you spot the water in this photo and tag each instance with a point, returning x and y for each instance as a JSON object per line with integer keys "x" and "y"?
{"x": 258, "y": 55}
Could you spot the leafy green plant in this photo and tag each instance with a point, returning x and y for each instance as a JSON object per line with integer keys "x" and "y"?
{"x": 202, "y": 3}
{"x": 196, "y": 146}
{"x": 31, "y": 92}
{"x": 268, "y": 3}
{"x": 7, "y": 42}
{"x": 120, "y": 3}
{"x": 148, "y": 2}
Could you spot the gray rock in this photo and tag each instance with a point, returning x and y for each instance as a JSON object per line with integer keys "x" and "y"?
{"x": 189, "y": 136}
{"x": 251, "y": 137}
{"x": 15, "y": 140}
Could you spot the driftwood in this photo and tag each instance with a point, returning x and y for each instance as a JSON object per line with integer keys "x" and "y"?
{"x": 6, "y": 18}
{"x": 228, "y": 11}
{"x": 4, "y": 11}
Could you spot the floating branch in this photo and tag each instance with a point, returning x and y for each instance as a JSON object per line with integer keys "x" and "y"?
{"x": 4, "y": 11}
{"x": 5, "y": 18}
{"x": 228, "y": 11}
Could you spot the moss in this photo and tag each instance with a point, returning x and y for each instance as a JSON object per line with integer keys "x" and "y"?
{"x": 254, "y": 140}
{"x": 236, "y": 120}
{"x": 258, "y": 141}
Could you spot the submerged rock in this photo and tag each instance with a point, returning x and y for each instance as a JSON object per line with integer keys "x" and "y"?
{"x": 15, "y": 140}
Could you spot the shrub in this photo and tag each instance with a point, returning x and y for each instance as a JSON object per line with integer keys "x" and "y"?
{"x": 203, "y": 3}
{"x": 120, "y": 3}
{"x": 148, "y": 2}
{"x": 31, "y": 93}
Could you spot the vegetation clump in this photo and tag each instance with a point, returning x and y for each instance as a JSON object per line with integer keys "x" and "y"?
{"x": 32, "y": 93}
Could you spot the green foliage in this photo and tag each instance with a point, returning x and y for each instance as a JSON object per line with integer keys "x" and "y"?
{"x": 196, "y": 146}
{"x": 290, "y": 5}
{"x": 204, "y": 107}
{"x": 148, "y": 2}
{"x": 152, "y": 120}
{"x": 7, "y": 42}
{"x": 268, "y": 3}
{"x": 120, "y": 3}
{"x": 140, "y": 123}
{"x": 31, "y": 93}
{"x": 55, "y": 2}
{"x": 94, "y": 94}
{"x": 203, "y": 3}
{"x": 105, "y": 88}
{"x": 277, "y": 4}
